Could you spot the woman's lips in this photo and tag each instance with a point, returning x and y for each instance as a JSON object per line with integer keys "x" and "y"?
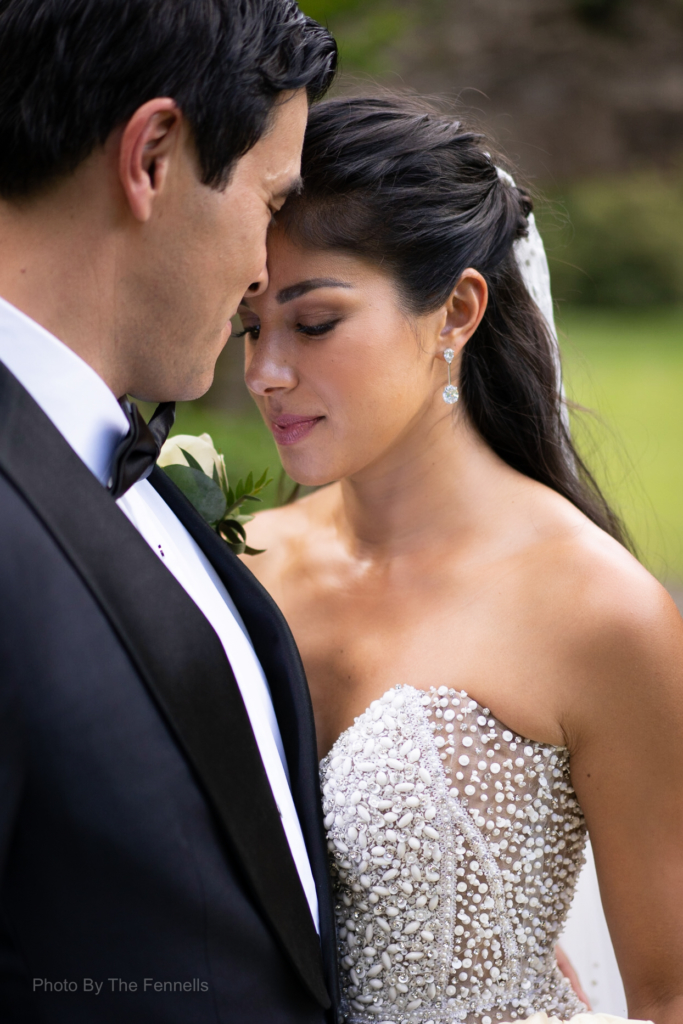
{"x": 289, "y": 429}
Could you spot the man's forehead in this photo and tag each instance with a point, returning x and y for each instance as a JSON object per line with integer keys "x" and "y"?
{"x": 275, "y": 179}
{"x": 279, "y": 171}
{"x": 278, "y": 151}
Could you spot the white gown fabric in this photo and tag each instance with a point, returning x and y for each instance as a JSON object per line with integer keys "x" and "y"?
{"x": 455, "y": 846}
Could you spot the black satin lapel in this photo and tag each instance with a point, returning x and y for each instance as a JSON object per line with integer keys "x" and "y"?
{"x": 281, "y": 662}
{"x": 178, "y": 655}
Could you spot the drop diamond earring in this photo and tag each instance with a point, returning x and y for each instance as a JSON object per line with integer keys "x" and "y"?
{"x": 450, "y": 392}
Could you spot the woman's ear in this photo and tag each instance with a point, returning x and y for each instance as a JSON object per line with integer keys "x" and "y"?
{"x": 147, "y": 144}
{"x": 463, "y": 311}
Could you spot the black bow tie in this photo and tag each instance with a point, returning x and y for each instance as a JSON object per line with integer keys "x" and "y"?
{"x": 136, "y": 455}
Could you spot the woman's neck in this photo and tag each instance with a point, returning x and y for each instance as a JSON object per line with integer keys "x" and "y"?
{"x": 441, "y": 484}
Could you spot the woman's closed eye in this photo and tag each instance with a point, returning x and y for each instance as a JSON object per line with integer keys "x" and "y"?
{"x": 316, "y": 330}
{"x": 310, "y": 330}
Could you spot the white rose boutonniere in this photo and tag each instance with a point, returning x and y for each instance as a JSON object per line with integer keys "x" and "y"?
{"x": 200, "y": 448}
{"x": 198, "y": 469}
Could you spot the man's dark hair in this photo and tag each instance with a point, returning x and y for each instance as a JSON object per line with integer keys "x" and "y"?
{"x": 73, "y": 70}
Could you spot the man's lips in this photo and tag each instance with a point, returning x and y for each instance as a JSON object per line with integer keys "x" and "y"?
{"x": 288, "y": 429}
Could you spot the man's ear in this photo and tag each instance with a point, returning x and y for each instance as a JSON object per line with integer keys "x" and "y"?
{"x": 147, "y": 144}
{"x": 464, "y": 309}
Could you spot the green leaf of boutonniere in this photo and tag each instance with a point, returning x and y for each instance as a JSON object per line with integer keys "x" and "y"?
{"x": 204, "y": 493}
{"x": 193, "y": 464}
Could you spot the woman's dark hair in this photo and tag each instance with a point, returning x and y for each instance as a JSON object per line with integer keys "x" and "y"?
{"x": 73, "y": 70}
{"x": 398, "y": 183}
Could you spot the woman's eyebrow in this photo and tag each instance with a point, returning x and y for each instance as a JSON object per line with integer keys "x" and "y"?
{"x": 295, "y": 290}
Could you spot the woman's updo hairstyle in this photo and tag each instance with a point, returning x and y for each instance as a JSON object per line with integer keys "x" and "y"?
{"x": 396, "y": 182}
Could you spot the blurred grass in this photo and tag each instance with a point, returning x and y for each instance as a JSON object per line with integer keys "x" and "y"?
{"x": 627, "y": 365}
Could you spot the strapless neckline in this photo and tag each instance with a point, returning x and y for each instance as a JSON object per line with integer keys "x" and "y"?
{"x": 441, "y": 690}
{"x": 454, "y": 845}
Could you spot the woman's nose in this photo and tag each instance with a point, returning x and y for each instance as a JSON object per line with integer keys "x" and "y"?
{"x": 268, "y": 369}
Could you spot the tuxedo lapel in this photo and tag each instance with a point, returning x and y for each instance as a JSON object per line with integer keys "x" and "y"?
{"x": 178, "y": 656}
{"x": 280, "y": 660}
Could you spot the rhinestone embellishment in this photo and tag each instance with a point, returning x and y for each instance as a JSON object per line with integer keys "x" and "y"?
{"x": 455, "y": 846}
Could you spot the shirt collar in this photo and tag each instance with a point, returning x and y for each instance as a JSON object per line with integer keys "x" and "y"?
{"x": 79, "y": 403}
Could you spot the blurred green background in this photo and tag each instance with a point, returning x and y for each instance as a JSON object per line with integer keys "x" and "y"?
{"x": 585, "y": 99}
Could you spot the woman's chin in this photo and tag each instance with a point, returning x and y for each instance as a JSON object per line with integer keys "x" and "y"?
{"x": 306, "y": 475}
{"x": 312, "y": 480}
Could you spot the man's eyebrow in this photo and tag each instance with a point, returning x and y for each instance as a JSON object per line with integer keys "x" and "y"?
{"x": 292, "y": 188}
{"x": 296, "y": 290}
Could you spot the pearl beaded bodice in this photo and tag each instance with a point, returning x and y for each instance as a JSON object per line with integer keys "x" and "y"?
{"x": 455, "y": 846}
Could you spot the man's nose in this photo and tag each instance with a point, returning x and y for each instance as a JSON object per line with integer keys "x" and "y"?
{"x": 259, "y": 286}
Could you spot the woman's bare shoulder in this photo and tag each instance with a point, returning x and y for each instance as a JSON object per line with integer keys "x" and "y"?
{"x": 595, "y": 577}
{"x": 618, "y": 625}
{"x": 605, "y": 579}
{"x": 284, "y": 534}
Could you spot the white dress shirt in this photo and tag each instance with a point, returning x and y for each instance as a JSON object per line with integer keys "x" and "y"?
{"x": 89, "y": 417}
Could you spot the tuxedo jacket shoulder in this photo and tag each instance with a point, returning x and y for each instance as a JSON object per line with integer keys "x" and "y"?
{"x": 144, "y": 865}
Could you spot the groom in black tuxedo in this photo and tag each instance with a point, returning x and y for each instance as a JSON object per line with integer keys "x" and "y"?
{"x": 162, "y": 856}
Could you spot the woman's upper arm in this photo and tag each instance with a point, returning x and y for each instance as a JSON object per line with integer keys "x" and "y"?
{"x": 626, "y": 740}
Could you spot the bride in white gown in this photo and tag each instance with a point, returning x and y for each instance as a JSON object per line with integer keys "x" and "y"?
{"x": 491, "y": 671}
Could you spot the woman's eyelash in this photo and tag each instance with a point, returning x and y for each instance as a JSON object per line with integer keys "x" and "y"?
{"x": 315, "y": 330}
{"x": 312, "y": 331}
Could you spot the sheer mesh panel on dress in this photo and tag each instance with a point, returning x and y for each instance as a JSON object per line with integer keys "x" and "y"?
{"x": 455, "y": 848}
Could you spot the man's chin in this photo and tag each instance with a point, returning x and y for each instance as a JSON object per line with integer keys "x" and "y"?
{"x": 185, "y": 390}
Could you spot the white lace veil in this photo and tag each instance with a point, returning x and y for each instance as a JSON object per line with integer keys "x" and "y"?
{"x": 533, "y": 264}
